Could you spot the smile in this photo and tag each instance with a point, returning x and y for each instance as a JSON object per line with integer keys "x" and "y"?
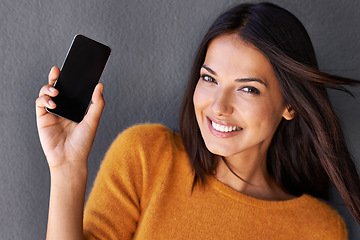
{"x": 223, "y": 128}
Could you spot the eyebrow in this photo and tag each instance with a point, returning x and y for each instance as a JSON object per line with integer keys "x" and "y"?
{"x": 238, "y": 79}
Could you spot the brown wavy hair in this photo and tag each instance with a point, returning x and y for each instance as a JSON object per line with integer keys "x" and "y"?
{"x": 306, "y": 152}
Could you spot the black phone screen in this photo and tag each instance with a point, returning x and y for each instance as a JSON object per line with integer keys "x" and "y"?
{"x": 79, "y": 75}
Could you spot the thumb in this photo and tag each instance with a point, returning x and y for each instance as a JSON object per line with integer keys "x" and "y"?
{"x": 95, "y": 110}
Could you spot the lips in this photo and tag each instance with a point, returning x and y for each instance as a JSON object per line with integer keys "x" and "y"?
{"x": 222, "y": 128}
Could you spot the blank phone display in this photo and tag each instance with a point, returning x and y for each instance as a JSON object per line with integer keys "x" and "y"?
{"x": 79, "y": 76}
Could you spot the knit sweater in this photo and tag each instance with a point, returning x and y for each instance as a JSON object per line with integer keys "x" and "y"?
{"x": 143, "y": 191}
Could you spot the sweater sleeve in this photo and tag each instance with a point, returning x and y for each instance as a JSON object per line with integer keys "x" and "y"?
{"x": 113, "y": 208}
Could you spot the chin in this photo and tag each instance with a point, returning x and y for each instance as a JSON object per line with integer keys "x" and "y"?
{"x": 220, "y": 150}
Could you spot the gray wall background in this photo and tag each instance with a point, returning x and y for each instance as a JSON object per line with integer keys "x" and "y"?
{"x": 153, "y": 44}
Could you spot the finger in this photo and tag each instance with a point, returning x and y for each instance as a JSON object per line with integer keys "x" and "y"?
{"x": 45, "y": 101}
{"x": 41, "y": 103}
{"x": 95, "y": 110}
{"x": 53, "y": 75}
{"x": 48, "y": 90}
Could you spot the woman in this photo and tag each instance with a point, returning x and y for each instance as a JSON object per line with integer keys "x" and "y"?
{"x": 258, "y": 144}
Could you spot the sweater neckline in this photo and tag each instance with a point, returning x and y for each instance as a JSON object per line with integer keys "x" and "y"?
{"x": 248, "y": 200}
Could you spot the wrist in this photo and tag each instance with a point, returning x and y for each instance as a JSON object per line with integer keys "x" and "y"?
{"x": 69, "y": 172}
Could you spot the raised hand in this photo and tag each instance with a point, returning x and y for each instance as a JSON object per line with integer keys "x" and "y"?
{"x": 65, "y": 143}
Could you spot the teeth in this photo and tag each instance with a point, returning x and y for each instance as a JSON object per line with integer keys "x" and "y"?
{"x": 223, "y": 128}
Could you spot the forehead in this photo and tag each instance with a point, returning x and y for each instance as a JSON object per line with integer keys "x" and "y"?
{"x": 230, "y": 55}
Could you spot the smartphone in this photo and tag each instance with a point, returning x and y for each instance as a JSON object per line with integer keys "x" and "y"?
{"x": 79, "y": 75}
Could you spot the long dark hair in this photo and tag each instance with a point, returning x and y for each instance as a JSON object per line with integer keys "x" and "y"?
{"x": 308, "y": 150}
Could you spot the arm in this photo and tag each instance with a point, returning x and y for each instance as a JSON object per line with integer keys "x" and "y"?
{"x": 66, "y": 145}
{"x": 113, "y": 208}
{"x": 66, "y": 204}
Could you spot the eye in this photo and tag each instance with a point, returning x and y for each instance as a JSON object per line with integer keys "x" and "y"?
{"x": 250, "y": 90}
{"x": 207, "y": 78}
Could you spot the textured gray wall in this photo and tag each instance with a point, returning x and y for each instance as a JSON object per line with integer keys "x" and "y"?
{"x": 153, "y": 44}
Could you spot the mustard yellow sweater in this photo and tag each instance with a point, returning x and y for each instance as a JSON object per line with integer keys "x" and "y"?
{"x": 143, "y": 191}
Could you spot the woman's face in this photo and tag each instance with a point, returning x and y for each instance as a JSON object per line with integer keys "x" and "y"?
{"x": 238, "y": 103}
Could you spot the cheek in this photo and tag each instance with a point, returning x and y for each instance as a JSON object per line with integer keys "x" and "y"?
{"x": 202, "y": 102}
{"x": 197, "y": 103}
{"x": 199, "y": 98}
{"x": 263, "y": 114}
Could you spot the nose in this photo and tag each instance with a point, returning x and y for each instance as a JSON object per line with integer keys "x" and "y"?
{"x": 222, "y": 103}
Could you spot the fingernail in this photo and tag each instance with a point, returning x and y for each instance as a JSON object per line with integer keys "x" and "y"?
{"x": 51, "y": 89}
{"x": 51, "y": 102}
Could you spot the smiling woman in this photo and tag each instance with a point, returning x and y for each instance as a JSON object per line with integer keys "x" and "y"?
{"x": 300, "y": 150}
{"x": 251, "y": 160}
{"x": 231, "y": 95}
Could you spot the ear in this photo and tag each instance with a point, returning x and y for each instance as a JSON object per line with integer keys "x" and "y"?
{"x": 289, "y": 113}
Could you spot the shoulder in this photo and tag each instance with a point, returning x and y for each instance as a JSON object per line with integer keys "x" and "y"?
{"x": 146, "y": 136}
{"x": 143, "y": 145}
{"x": 149, "y": 128}
{"x": 328, "y": 221}
{"x": 146, "y": 129}
{"x": 145, "y": 155}
{"x": 139, "y": 153}
{"x": 320, "y": 207}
